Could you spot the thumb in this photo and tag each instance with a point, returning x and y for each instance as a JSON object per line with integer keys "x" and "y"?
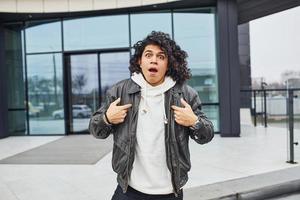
{"x": 118, "y": 100}
{"x": 184, "y": 103}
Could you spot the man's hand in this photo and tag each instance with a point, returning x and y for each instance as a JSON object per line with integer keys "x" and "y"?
{"x": 116, "y": 114}
{"x": 184, "y": 115}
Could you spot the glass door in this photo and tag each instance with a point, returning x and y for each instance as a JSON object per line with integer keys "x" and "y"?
{"x": 82, "y": 96}
{"x": 114, "y": 68}
{"x": 88, "y": 76}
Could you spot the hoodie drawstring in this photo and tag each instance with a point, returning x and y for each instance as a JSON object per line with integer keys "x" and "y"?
{"x": 145, "y": 106}
{"x": 163, "y": 108}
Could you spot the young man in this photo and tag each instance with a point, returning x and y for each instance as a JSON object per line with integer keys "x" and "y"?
{"x": 151, "y": 116}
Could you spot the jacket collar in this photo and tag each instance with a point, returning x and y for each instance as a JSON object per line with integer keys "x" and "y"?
{"x": 133, "y": 87}
{"x": 177, "y": 88}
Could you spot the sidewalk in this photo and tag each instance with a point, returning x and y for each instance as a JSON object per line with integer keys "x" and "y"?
{"x": 256, "y": 187}
{"x": 257, "y": 151}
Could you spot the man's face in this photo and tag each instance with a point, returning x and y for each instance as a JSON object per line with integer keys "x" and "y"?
{"x": 154, "y": 64}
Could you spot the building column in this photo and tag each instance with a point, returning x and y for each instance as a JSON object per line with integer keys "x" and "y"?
{"x": 3, "y": 88}
{"x": 245, "y": 69}
{"x": 228, "y": 71}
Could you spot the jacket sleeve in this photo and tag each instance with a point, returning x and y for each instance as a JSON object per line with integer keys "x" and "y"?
{"x": 97, "y": 127}
{"x": 205, "y": 132}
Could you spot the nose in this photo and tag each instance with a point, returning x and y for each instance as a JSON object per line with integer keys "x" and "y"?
{"x": 154, "y": 59}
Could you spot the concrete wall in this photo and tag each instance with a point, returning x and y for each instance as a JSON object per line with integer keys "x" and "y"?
{"x": 47, "y": 6}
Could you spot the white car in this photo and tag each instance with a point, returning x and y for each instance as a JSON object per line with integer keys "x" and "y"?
{"x": 79, "y": 111}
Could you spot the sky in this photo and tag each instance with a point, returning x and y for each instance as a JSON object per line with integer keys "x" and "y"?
{"x": 275, "y": 44}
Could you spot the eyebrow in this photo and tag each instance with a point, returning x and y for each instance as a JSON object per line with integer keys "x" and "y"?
{"x": 161, "y": 52}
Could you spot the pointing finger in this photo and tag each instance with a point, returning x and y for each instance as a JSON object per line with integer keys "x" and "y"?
{"x": 176, "y": 112}
{"x": 184, "y": 103}
{"x": 116, "y": 101}
{"x": 176, "y": 108}
{"x": 126, "y": 106}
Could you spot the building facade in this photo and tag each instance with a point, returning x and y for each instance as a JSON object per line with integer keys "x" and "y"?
{"x": 56, "y": 65}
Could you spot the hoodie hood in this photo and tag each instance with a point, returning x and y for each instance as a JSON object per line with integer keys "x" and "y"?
{"x": 148, "y": 91}
{"x": 139, "y": 79}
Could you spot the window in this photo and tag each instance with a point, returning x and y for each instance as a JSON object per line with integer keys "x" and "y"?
{"x": 45, "y": 93}
{"x": 194, "y": 31}
{"x": 48, "y": 40}
{"x": 43, "y": 36}
{"x": 142, "y": 24}
{"x": 96, "y": 32}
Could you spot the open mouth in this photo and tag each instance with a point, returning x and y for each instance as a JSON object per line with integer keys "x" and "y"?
{"x": 153, "y": 70}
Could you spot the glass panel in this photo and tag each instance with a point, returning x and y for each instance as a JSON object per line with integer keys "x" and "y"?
{"x": 197, "y": 38}
{"x": 143, "y": 24}
{"x": 96, "y": 32}
{"x": 277, "y": 108}
{"x": 45, "y": 93}
{"x": 114, "y": 68}
{"x": 85, "y": 87}
{"x": 43, "y": 36}
{"x": 297, "y": 109}
{"x": 297, "y": 123}
{"x": 212, "y": 112}
{"x": 16, "y": 80}
{"x": 17, "y": 122}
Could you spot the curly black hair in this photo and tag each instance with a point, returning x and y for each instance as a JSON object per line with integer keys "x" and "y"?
{"x": 177, "y": 64}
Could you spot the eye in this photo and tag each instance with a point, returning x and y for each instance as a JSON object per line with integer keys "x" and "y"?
{"x": 148, "y": 55}
{"x": 162, "y": 57}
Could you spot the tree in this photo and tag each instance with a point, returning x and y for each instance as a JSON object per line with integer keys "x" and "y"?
{"x": 79, "y": 81}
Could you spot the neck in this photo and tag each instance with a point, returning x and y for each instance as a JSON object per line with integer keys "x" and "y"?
{"x": 158, "y": 83}
{"x": 154, "y": 84}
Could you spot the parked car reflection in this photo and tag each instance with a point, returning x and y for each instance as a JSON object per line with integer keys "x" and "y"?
{"x": 34, "y": 111}
{"x": 79, "y": 111}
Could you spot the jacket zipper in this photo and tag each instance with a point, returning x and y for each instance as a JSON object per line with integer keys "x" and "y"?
{"x": 170, "y": 144}
{"x": 130, "y": 143}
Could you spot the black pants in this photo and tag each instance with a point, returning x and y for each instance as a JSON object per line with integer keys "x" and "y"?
{"x": 132, "y": 194}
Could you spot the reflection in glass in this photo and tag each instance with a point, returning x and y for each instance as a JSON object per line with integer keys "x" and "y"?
{"x": 16, "y": 80}
{"x": 197, "y": 38}
{"x": 143, "y": 24}
{"x": 43, "y": 36}
{"x": 114, "y": 68}
{"x": 212, "y": 113}
{"x": 96, "y": 32}
{"x": 85, "y": 95}
{"x": 204, "y": 81}
{"x": 17, "y": 122}
{"x": 45, "y": 93}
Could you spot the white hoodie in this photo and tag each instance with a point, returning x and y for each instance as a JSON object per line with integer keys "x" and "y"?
{"x": 150, "y": 173}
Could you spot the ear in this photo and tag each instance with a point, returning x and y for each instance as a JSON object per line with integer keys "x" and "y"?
{"x": 139, "y": 62}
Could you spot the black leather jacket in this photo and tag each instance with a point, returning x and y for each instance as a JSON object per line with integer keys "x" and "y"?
{"x": 176, "y": 136}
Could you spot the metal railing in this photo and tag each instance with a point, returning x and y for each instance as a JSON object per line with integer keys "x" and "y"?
{"x": 290, "y": 96}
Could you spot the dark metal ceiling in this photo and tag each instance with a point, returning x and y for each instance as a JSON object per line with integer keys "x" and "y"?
{"x": 252, "y": 9}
